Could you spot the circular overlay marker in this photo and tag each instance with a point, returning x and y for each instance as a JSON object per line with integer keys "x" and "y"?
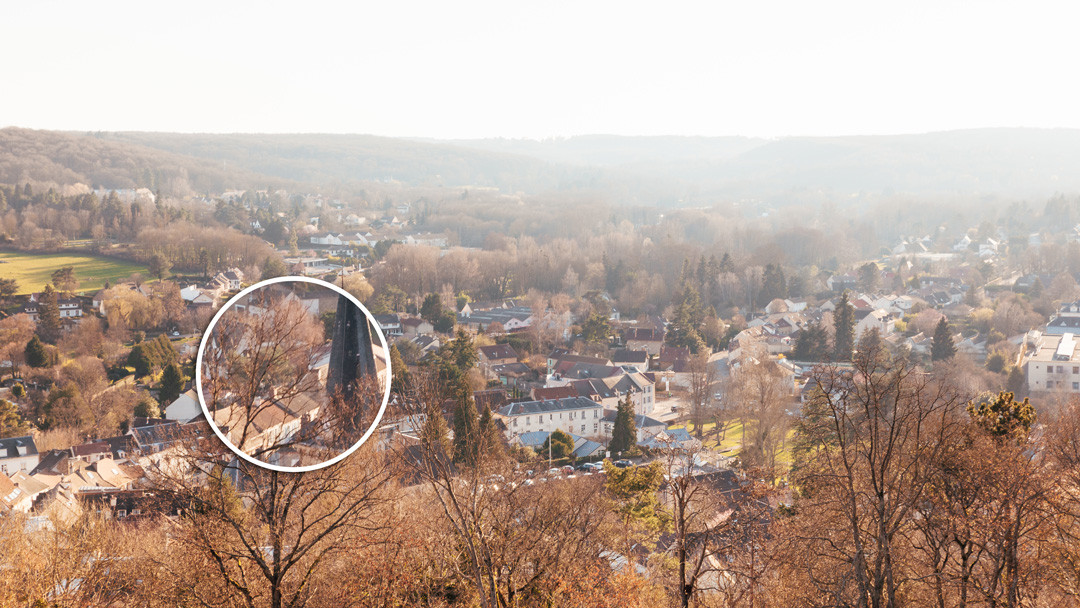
{"x": 293, "y": 374}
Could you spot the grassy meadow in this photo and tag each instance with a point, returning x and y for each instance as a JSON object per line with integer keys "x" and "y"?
{"x": 34, "y": 270}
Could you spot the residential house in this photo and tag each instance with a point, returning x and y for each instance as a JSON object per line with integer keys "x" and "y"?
{"x": 647, "y": 339}
{"x": 576, "y": 415}
{"x": 184, "y": 408}
{"x": 512, "y": 375}
{"x": 70, "y": 308}
{"x": 390, "y": 324}
{"x": 1052, "y": 363}
{"x": 646, "y": 426}
{"x": 513, "y": 318}
{"x": 497, "y": 354}
{"x": 415, "y": 326}
{"x": 841, "y": 282}
{"x": 636, "y": 359}
{"x": 536, "y": 440}
{"x": 18, "y": 454}
{"x": 879, "y": 319}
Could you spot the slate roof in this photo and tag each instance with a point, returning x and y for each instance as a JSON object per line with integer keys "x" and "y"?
{"x": 625, "y": 355}
{"x": 555, "y": 392}
{"x": 640, "y": 420}
{"x": 9, "y": 447}
{"x": 543, "y": 406}
{"x": 644, "y": 334}
{"x": 498, "y": 351}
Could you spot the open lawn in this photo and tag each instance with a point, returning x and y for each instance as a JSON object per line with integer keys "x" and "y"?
{"x": 732, "y": 440}
{"x": 34, "y": 270}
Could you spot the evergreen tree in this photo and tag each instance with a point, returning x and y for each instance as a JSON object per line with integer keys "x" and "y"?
{"x": 399, "y": 370}
{"x": 11, "y": 422}
{"x": 172, "y": 383}
{"x": 434, "y": 434}
{"x": 48, "y": 326}
{"x": 491, "y": 448}
{"x": 813, "y": 343}
{"x": 683, "y": 330}
{"x": 139, "y": 360}
{"x": 726, "y": 265}
{"x": 773, "y": 283}
{"x": 159, "y": 266}
{"x": 595, "y": 329}
{"x": 870, "y": 342}
{"x": 624, "y": 432}
{"x": 1017, "y": 381}
{"x": 146, "y": 408}
{"x": 1001, "y": 416}
{"x": 431, "y": 309}
{"x": 467, "y": 440}
{"x": 558, "y": 445}
{"x": 869, "y": 276}
{"x": 942, "y": 347}
{"x": 844, "y": 322}
{"x": 36, "y": 353}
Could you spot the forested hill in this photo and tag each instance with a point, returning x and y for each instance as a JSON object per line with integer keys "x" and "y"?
{"x": 329, "y": 159}
{"x": 65, "y": 159}
{"x": 640, "y": 170}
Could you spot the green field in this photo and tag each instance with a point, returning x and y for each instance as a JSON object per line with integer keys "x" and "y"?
{"x": 34, "y": 270}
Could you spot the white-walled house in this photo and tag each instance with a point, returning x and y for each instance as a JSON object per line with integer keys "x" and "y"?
{"x": 18, "y": 454}
{"x": 185, "y": 408}
{"x": 577, "y": 415}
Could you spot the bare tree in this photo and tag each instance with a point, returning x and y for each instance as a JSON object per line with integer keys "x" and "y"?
{"x": 703, "y": 377}
{"x": 763, "y": 394}
{"x": 881, "y": 426}
{"x": 715, "y": 519}
{"x": 516, "y": 538}
{"x": 265, "y": 537}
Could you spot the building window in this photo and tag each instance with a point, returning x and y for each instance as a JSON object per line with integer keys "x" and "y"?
{"x": 1076, "y": 386}
{"x": 1060, "y": 369}
{"x": 515, "y": 421}
{"x": 1076, "y": 369}
{"x": 583, "y": 428}
{"x": 1049, "y": 384}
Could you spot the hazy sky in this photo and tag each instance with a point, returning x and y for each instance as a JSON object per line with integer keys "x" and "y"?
{"x": 539, "y": 69}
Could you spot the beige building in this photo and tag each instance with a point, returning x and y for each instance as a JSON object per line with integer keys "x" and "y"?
{"x": 1053, "y": 363}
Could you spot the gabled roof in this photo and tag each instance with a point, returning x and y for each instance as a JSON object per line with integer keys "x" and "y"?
{"x": 640, "y": 420}
{"x": 555, "y": 392}
{"x": 645, "y": 334}
{"x": 498, "y": 351}
{"x": 12, "y": 446}
{"x": 555, "y": 405}
{"x": 626, "y": 355}
{"x": 90, "y": 449}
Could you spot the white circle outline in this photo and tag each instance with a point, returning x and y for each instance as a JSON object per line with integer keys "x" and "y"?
{"x": 206, "y": 410}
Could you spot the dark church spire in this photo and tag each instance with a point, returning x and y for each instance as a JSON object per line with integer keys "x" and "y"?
{"x": 351, "y": 354}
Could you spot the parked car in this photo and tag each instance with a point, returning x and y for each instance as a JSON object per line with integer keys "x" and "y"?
{"x": 622, "y": 464}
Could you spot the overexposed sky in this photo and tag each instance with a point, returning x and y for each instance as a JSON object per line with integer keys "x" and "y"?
{"x": 539, "y": 69}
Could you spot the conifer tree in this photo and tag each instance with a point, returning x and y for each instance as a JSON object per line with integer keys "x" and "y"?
{"x": 467, "y": 439}
{"x": 624, "y": 433}
{"x": 172, "y": 383}
{"x": 36, "y": 353}
{"x": 844, "y": 321}
{"x": 942, "y": 348}
{"x": 48, "y": 327}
